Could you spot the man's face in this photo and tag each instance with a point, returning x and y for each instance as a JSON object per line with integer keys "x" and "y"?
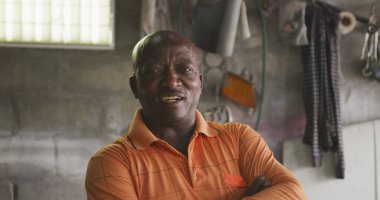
{"x": 168, "y": 82}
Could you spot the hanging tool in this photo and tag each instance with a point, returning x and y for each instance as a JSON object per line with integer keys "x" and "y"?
{"x": 376, "y": 73}
{"x": 220, "y": 113}
{"x": 370, "y": 45}
{"x": 367, "y": 69}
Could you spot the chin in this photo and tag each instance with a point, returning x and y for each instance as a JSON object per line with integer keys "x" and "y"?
{"x": 176, "y": 115}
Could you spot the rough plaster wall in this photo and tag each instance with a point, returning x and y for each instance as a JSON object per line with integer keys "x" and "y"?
{"x": 283, "y": 112}
{"x": 77, "y": 92}
{"x": 57, "y": 107}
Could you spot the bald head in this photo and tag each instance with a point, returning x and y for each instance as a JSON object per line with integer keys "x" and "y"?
{"x": 167, "y": 79}
{"x": 159, "y": 39}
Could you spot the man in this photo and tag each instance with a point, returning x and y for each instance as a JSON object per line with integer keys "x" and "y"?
{"x": 170, "y": 151}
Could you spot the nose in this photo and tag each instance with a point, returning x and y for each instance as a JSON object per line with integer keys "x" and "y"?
{"x": 171, "y": 79}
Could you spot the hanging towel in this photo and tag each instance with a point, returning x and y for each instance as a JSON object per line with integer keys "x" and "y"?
{"x": 148, "y": 15}
{"x": 321, "y": 86}
{"x": 155, "y": 15}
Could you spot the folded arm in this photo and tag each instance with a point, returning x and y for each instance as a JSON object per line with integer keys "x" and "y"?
{"x": 256, "y": 160}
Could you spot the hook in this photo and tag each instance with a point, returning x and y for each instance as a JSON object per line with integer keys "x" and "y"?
{"x": 367, "y": 71}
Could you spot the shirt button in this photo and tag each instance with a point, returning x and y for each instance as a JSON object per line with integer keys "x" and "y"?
{"x": 181, "y": 158}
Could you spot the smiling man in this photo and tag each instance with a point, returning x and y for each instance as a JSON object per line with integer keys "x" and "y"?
{"x": 170, "y": 151}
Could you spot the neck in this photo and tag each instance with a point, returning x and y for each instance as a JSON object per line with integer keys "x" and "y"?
{"x": 177, "y": 133}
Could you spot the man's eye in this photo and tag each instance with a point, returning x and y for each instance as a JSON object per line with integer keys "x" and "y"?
{"x": 186, "y": 69}
{"x": 154, "y": 71}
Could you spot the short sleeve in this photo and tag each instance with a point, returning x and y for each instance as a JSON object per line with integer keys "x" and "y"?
{"x": 108, "y": 178}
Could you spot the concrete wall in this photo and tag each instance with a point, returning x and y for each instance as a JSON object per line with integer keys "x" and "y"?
{"x": 76, "y": 92}
{"x": 361, "y": 165}
{"x": 57, "y": 107}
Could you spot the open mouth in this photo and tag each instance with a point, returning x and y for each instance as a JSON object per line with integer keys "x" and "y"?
{"x": 171, "y": 99}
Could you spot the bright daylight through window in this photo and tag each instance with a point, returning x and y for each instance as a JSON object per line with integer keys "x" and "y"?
{"x": 57, "y": 23}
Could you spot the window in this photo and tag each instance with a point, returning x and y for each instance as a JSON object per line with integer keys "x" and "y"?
{"x": 57, "y": 23}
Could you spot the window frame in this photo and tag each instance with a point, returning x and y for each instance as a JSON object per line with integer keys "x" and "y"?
{"x": 109, "y": 46}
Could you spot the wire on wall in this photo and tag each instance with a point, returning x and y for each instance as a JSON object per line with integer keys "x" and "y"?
{"x": 265, "y": 58}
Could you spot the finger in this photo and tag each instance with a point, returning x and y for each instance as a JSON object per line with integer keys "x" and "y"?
{"x": 267, "y": 184}
{"x": 264, "y": 185}
{"x": 257, "y": 185}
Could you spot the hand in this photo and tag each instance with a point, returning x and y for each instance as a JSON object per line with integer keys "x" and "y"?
{"x": 260, "y": 183}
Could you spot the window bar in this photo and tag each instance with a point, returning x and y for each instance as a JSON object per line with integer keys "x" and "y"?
{"x": 95, "y": 22}
{"x": 9, "y": 19}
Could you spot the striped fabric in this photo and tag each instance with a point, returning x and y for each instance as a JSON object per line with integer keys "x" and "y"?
{"x": 222, "y": 163}
{"x": 321, "y": 86}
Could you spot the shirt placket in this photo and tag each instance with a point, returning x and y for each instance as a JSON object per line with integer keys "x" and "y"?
{"x": 193, "y": 172}
{"x": 181, "y": 160}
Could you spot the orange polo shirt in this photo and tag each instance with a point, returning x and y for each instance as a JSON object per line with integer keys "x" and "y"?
{"x": 223, "y": 161}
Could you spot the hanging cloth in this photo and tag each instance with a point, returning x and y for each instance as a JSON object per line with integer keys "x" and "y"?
{"x": 323, "y": 129}
{"x": 155, "y": 15}
{"x": 148, "y": 16}
{"x": 292, "y": 23}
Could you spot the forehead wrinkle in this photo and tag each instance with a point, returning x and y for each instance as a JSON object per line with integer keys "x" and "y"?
{"x": 159, "y": 40}
{"x": 171, "y": 52}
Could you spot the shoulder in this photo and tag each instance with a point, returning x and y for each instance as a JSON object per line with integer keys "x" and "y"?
{"x": 111, "y": 160}
{"x": 118, "y": 150}
{"x": 233, "y": 128}
{"x": 234, "y": 131}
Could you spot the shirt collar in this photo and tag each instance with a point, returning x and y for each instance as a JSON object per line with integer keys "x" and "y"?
{"x": 142, "y": 137}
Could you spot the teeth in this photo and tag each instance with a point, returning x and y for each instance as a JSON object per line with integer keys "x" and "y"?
{"x": 171, "y": 99}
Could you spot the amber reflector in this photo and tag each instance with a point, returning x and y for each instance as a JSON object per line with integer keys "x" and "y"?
{"x": 239, "y": 90}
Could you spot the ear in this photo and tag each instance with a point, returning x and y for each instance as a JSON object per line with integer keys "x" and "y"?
{"x": 133, "y": 85}
{"x": 201, "y": 79}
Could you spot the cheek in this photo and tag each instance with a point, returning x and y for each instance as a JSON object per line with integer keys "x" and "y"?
{"x": 195, "y": 81}
{"x": 198, "y": 85}
{"x": 148, "y": 87}
{"x": 196, "y": 88}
